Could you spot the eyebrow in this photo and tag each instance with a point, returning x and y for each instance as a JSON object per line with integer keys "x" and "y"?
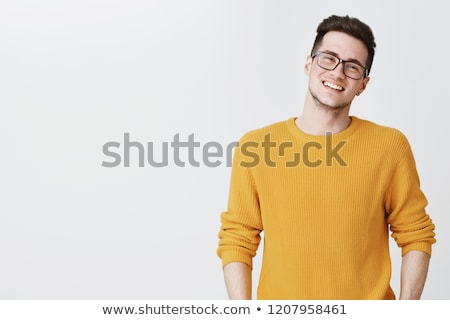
{"x": 349, "y": 60}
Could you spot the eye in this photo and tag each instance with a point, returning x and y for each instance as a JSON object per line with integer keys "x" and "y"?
{"x": 329, "y": 58}
{"x": 353, "y": 67}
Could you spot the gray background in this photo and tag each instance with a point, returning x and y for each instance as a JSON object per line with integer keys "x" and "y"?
{"x": 77, "y": 74}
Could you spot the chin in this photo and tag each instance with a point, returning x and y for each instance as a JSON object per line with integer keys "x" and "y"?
{"x": 329, "y": 102}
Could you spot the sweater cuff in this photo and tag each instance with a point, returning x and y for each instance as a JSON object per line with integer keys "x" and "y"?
{"x": 419, "y": 246}
{"x": 236, "y": 256}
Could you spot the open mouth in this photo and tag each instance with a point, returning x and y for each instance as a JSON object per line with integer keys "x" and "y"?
{"x": 333, "y": 86}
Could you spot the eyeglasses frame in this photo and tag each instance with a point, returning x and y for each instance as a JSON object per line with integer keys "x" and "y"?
{"x": 364, "y": 75}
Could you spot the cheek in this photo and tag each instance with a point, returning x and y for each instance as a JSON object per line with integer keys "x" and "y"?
{"x": 315, "y": 74}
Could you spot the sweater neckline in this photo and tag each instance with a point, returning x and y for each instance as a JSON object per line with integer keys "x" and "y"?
{"x": 344, "y": 134}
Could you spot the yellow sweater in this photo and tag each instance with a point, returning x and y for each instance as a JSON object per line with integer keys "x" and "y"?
{"x": 325, "y": 204}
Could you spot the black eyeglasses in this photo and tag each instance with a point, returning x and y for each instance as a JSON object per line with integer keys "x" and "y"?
{"x": 352, "y": 69}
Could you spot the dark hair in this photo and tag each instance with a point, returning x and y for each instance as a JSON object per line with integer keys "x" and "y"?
{"x": 350, "y": 26}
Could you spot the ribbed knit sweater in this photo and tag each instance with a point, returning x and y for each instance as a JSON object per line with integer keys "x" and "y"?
{"x": 325, "y": 204}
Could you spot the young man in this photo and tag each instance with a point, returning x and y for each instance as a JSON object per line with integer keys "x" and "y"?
{"x": 326, "y": 188}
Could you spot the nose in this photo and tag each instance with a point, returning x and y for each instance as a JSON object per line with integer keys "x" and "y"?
{"x": 338, "y": 72}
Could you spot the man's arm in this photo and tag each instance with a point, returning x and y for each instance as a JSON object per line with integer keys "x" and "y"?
{"x": 238, "y": 280}
{"x": 413, "y": 274}
{"x": 411, "y": 226}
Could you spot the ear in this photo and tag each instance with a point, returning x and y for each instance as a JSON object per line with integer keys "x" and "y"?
{"x": 308, "y": 64}
{"x": 363, "y": 85}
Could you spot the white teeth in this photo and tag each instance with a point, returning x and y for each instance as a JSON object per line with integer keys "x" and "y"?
{"x": 333, "y": 86}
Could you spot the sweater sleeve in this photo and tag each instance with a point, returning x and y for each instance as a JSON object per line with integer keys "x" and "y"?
{"x": 410, "y": 225}
{"x": 241, "y": 225}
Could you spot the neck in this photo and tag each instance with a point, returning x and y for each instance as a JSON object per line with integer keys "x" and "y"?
{"x": 318, "y": 120}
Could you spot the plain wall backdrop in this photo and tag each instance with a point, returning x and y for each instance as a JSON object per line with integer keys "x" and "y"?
{"x": 75, "y": 75}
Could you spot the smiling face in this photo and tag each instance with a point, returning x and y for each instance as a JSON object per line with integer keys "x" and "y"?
{"x": 332, "y": 89}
